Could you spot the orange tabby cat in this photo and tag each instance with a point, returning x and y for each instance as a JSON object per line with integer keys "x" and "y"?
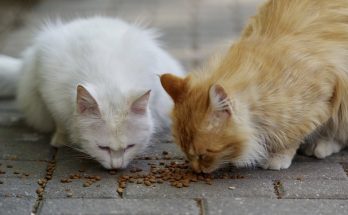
{"x": 284, "y": 82}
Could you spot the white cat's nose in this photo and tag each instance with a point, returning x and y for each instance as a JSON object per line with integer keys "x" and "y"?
{"x": 116, "y": 163}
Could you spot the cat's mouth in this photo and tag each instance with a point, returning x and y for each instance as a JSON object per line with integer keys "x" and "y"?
{"x": 113, "y": 159}
{"x": 199, "y": 167}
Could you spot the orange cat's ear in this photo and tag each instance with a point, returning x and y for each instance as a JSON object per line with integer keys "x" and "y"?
{"x": 220, "y": 102}
{"x": 174, "y": 86}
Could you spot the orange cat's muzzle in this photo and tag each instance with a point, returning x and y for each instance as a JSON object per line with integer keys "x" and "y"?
{"x": 195, "y": 166}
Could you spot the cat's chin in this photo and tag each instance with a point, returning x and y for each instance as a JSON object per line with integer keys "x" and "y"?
{"x": 112, "y": 166}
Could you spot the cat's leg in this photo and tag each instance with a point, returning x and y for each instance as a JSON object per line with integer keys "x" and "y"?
{"x": 279, "y": 160}
{"x": 324, "y": 148}
{"x": 59, "y": 138}
{"x": 322, "y": 145}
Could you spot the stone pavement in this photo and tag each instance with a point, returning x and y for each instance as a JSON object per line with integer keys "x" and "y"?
{"x": 192, "y": 30}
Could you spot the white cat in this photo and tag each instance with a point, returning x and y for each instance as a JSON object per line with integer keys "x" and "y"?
{"x": 94, "y": 83}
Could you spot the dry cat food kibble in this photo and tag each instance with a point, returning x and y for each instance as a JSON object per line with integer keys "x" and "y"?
{"x": 177, "y": 174}
{"x": 112, "y": 172}
{"x": 91, "y": 179}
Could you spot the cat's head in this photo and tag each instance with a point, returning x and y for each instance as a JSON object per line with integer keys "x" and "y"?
{"x": 113, "y": 135}
{"x": 206, "y": 125}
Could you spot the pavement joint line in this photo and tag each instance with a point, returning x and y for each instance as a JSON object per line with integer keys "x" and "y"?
{"x": 278, "y": 189}
{"x": 311, "y": 198}
{"x": 43, "y": 182}
{"x": 200, "y": 204}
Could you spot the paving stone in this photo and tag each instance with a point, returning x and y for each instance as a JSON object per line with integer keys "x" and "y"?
{"x": 71, "y": 9}
{"x": 11, "y": 119}
{"x": 119, "y": 206}
{"x": 219, "y": 188}
{"x": 23, "y": 169}
{"x": 340, "y": 157}
{"x": 18, "y": 187}
{"x": 18, "y": 206}
{"x": 72, "y": 165}
{"x": 306, "y": 170}
{"x": 315, "y": 189}
{"x": 105, "y": 188}
{"x": 263, "y": 206}
{"x": 24, "y": 144}
{"x": 138, "y": 10}
{"x": 8, "y": 105}
{"x": 156, "y": 151}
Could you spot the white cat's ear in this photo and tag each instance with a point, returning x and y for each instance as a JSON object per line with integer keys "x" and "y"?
{"x": 139, "y": 106}
{"x": 85, "y": 103}
{"x": 220, "y": 102}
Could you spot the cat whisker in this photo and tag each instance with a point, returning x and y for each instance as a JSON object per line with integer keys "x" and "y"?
{"x": 75, "y": 148}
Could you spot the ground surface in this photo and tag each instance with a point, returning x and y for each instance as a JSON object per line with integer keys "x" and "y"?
{"x": 192, "y": 31}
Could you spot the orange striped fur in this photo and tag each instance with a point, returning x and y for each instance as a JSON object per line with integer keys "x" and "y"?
{"x": 284, "y": 82}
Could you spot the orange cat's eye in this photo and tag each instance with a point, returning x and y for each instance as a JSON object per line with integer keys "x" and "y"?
{"x": 214, "y": 151}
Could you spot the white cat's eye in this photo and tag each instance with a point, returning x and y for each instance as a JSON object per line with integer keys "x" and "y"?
{"x": 130, "y": 146}
{"x": 105, "y": 148}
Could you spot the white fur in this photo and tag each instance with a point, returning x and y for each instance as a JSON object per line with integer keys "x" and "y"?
{"x": 326, "y": 148}
{"x": 117, "y": 63}
{"x": 277, "y": 162}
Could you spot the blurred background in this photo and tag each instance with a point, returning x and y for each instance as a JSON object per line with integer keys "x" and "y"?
{"x": 192, "y": 30}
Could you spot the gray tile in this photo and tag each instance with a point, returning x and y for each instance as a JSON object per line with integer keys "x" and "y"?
{"x": 18, "y": 206}
{"x": 119, "y": 206}
{"x": 262, "y": 206}
{"x": 18, "y": 187}
{"x": 24, "y": 144}
{"x": 105, "y": 188}
{"x": 156, "y": 151}
{"x": 340, "y": 157}
{"x": 306, "y": 170}
{"x": 23, "y": 169}
{"x": 219, "y": 189}
{"x": 8, "y": 105}
{"x": 315, "y": 189}
{"x": 12, "y": 119}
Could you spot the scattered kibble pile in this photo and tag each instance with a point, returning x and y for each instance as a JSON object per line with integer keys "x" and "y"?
{"x": 15, "y": 172}
{"x": 177, "y": 174}
{"x": 43, "y": 181}
{"x": 90, "y": 178}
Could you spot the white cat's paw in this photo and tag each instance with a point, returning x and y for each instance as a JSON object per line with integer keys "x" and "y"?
{"x": 326, "y": 148}
{"x": 277, "y": 162}
{"x": 58, "y": 140}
